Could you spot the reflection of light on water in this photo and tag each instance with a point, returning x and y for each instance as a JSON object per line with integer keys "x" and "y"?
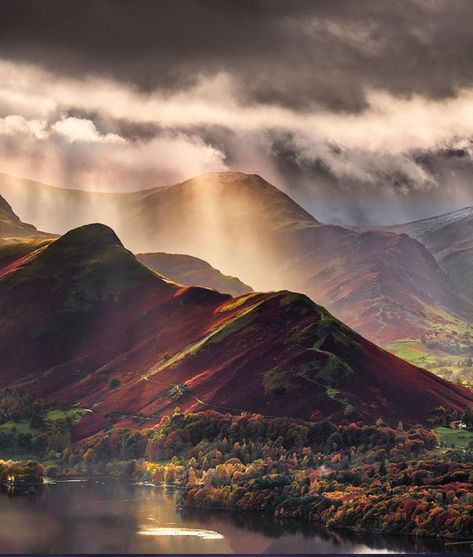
{"x": 366, "y": 550}
{"x": 163, "y": 531}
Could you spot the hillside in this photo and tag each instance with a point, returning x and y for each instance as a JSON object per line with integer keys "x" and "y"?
{"x": 18, "y": 239}
{"x": 192, "y": 271}
{"x": 247, "y": 228}
{"x": 12, "y": 228}
{"x": 450, "y": 238}
{"x": 230, "y": 219}
{"x": 112, "y": 336}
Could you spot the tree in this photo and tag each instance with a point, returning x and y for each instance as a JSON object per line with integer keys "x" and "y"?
{"x": 191, "y": 479}
{"x": 36, "y": 421}
{"x": 467, "y": 417}
{"x": 382, "y": 468}
{"x": 114, "y": 383}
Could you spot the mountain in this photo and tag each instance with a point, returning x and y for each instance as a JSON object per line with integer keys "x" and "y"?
{"x": 368, "y": 280}
{"x": 450, "y": 238}
{"x": 229, "y": 219}
{"x": 192, "y": 271}
{"x": 17, "y": 239}
{"x": 11, "y": 227}
{"x": 386, "y": 285}
{"x": 83, "y": 322}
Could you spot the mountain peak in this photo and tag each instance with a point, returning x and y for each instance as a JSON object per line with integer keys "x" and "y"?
{"x": 5, "y": 209}
{"x": 90, "y": 254}
{"x": 93, "y": 236}
{"x": 229, "y": 175}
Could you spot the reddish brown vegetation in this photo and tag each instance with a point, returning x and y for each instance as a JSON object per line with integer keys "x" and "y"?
{"x": 83, "y": 322}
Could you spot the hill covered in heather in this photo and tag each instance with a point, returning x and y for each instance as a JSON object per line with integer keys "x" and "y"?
{"x": 83, "y": 322}
{"x": 386, "y": 285}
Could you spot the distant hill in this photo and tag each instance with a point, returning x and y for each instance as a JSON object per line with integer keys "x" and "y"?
{"x": 229, "y": 219}
{"x": 11, "y": 227}
{"x": 450, "y": 238}
{"x": 113, "y": 336}
{"x": 386, "y": 285}
{"x": 192, "y": 271}
{"x": 17, "y": 239}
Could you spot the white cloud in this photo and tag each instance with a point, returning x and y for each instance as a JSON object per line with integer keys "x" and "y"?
{"x": 389, "y": 123}
{"x": 14, "y": 125}
{"x": 370, "y": 145}
{"x": 83, "y": 131}
{"x": 73, "y": 153}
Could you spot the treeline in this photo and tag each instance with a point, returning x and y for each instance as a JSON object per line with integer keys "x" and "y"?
{"x": 29, "y": 431}
{"x": 367, "y": 477}
{"x": 16, "y": 407}
{"x": 209, "y": 435}
{"x": 28, "y": 473}
{"x": 363, "y": 477}
{"x": 451, "y": 342}
{"x": 441, "y": 416}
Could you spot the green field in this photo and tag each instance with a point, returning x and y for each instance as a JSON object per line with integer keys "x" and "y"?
{"x": 22, "y": 426}
{"x": 448, "y": 366}
{"x": 454, "y": 438}
{"x": 75, "y": 414}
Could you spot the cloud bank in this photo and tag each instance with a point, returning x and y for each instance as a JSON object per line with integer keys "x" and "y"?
{"x": 346, "y": 105}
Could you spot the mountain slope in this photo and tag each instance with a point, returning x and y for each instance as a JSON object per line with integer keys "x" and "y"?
{"x": 450, "y": 238}
{"x": 11, "y": 227}
{"x": 192, "y": 271}
{"x": 387, "y": 286}
{"x": 17, "y": 239}
{"x": 83, "y": 322}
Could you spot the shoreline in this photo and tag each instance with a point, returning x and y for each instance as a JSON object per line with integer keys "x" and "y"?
{"x": 296, "y": 521}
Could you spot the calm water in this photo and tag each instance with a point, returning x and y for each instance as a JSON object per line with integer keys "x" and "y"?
{"x": 118, "y": 517}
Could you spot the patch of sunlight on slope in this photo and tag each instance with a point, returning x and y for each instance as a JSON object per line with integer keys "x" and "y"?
{"x": 237, "y": 302}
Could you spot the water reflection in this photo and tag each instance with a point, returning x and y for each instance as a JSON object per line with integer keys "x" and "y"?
{"x": 118, "y": 517}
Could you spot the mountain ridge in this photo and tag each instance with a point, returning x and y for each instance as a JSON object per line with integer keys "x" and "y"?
{"x": 247, "y": 228}
{"x": 450, "y": 238}
{"x": 100, "y": 316}
{"x": 192, "y": 271}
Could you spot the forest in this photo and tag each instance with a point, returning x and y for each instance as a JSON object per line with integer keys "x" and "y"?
{"x": 364, "y": 477}
{"x": 361, "y": 477}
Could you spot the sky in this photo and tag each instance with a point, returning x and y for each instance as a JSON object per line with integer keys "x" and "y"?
{"x": 361, "y": 110}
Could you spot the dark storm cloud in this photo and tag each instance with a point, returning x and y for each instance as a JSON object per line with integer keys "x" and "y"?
{"x": 294, "y": 53}
{"x": 360, "y": 110}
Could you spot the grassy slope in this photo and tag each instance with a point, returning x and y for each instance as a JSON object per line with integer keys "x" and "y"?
{"x": 454, "y": 438}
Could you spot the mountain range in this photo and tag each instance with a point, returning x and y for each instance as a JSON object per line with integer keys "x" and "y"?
{"x": 450, "y": 238}
{"x": 85, "y": 323}
{"x": 386, "y": 284}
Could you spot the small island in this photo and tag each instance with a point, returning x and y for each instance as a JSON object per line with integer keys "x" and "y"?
{"x": 21, "y": 478}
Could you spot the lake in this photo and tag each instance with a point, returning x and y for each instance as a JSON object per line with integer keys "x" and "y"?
{"x": 120, "y": 517}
